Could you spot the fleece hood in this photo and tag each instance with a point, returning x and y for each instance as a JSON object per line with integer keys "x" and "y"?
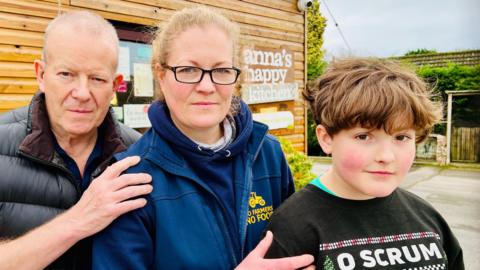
{"x": 162, "y": 123}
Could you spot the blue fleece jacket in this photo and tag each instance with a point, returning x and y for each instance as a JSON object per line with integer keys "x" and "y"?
{"x": 216, "y": 168}
{"x": 193, "y": 218}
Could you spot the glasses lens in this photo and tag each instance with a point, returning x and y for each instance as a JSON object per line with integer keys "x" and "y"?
{"x": 224, "y": 75}
{"x": 188, "y": 74}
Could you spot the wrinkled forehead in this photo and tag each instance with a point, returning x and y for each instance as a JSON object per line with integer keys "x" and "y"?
{"x": 81, "y": 34}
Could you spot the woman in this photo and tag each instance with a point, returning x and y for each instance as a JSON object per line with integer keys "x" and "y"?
{"x": 217, "y": 175}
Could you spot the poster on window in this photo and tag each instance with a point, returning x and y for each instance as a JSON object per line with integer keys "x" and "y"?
{"x": 124, "y": 63}
{"x": 136, "y": 115}
{"x": 142, "y": 80}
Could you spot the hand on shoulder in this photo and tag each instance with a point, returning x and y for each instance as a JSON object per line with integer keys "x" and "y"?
{"x": 256, "y": 260}
{"x": 108, "y": 197}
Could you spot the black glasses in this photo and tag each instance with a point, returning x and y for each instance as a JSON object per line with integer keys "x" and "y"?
{"x": 189, "y": 74}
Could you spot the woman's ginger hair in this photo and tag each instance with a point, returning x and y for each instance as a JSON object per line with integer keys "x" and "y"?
{"x": 372, "y": 93}
{"x": 198, "y": 16}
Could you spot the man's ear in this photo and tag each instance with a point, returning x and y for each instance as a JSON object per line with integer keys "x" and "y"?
{"x": 39, "y": 72}
{"x": 117, "y": 81}
{"x": 324, "y": 139}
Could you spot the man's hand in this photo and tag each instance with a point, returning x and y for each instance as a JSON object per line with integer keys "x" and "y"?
{"x": 255, "y": 259}
{"x": 108, "y": 197}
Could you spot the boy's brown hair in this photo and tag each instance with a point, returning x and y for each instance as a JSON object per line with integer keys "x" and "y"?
{"x": 372, "y": 93}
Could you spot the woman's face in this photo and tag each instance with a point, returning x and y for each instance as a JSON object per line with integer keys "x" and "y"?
{"x": 198, "y": 108}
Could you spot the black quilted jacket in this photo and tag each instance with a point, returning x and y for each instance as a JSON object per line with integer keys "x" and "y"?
{"x": 35, "y": 185}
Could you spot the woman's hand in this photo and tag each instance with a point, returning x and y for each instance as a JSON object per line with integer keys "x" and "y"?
{"x": 255, "y": 259}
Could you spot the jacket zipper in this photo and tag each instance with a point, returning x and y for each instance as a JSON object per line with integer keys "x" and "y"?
{"x": 223, "y": 220}
{"x": 245, "y": 224}
{"x": 70, "y": 176}
{"x": 223, "y": 212}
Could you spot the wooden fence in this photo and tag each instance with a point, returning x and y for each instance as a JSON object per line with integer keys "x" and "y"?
{"x": 465, "y": 144}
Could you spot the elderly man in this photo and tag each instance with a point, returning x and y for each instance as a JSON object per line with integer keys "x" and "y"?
{"x": 50, "y": 152}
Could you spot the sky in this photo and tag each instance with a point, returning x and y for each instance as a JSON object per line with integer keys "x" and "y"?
{"x": 384, "y": 28}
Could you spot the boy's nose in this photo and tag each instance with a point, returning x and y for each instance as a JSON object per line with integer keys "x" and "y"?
{"x": 385, "y": 153}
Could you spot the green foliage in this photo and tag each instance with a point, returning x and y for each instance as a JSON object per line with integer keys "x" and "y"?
{"x": 316, "y": 27}
{"x": 465, "y": 110}
{"x": 299, "y": 164}
{"x": 315, "y": 64}
{"x": 420, "y": 52}
{"x": 452, "y": 77}
{"x": 314, "y": 148}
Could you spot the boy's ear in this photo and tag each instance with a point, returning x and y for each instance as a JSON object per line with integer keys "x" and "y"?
{"x": 324, "y": 139}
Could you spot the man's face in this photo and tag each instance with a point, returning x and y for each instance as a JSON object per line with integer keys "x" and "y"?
{"x": 78, "y": 79}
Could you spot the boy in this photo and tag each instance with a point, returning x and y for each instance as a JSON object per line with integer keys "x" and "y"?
{"x": 370, "y": 113}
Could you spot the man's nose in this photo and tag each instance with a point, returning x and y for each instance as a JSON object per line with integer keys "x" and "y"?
{"x": 81, "y": 89}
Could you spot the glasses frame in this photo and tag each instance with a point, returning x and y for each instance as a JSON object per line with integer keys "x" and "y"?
{"x": 209, "y": 71}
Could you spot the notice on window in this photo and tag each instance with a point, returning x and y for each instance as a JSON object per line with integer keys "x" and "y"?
{"x": 123, "y": 87}
{"x": 124, "y": 63}
{"x": 118, "y": 113}
{"x": 135, "y": 115}
{"x": 142, "y": 80}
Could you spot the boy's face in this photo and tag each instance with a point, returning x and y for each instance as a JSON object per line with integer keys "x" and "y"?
{"x": 367, "y": 163}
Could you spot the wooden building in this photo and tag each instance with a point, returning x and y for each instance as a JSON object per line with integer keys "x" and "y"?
{"x": 269, "y": 28}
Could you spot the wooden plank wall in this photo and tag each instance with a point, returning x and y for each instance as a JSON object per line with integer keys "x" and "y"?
{"x": 266, "y": 23}
{"x": 465, "y": 144}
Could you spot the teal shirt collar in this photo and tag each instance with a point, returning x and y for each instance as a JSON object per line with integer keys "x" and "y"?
{"x": 316, "y": 182}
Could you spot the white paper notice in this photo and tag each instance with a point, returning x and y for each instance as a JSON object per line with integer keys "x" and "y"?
{"x": 142, "y": 80}
{"x": 124, "y": 63}
{"x": 275, "y": 120}
{"x": 135, "y": 115}
{"x": 118, "y": 111}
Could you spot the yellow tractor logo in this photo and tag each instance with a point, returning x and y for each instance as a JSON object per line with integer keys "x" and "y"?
{"x": 254, "y": 200}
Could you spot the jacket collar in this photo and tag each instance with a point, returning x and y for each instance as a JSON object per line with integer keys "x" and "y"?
{"x": 162, "y": 154}
{"x": 39, "y": 133}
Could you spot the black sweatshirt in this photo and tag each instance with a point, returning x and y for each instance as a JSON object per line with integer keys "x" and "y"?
{"x": 400, "y": 231}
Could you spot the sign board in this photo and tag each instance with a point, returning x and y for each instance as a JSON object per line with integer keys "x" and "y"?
{"x": 270, "y": 75}
{"x": 281, "y": 127}
{"x": 135, "y": 115}
{"x": 275, "y": 120}
{"x": 264, "y": 93}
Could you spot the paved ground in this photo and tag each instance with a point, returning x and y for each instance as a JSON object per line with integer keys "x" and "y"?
{"x": 455, "y": 193}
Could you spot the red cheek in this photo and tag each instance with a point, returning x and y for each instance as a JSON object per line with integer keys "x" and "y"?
{"x": 407, "y": 160}
{"x": 351, "y": 161}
